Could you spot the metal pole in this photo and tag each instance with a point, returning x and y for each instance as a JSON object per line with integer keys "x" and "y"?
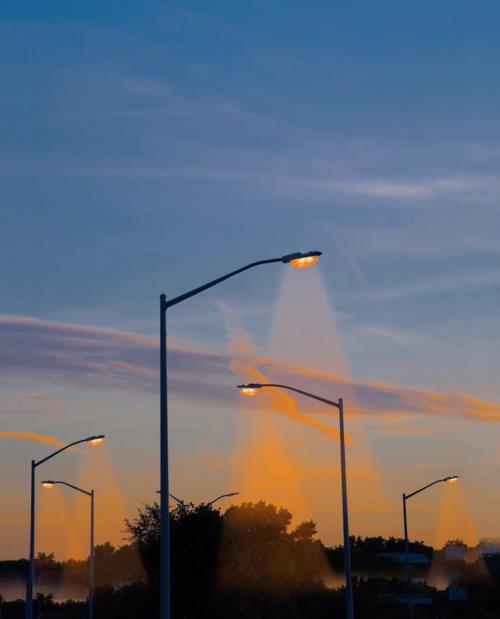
{"x": 407, "y": 545}
{"x": 31, "y": 566}
{"x": 164, "y": 485}
{"x": 407, "y": 560}
{"x": 91, "y": 558}
{"x": 345, "y": 517}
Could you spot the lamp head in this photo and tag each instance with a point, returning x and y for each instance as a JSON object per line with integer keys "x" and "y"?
{"x": 48, "y": 483}
{"x": 451, "y": 479}
{"x": 249, "y": 390}
{"x": 94, "y": 441}
{"x": 302, "y": 260}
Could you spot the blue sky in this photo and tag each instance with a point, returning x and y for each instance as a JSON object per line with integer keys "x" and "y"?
{"x": 147, "y": 147}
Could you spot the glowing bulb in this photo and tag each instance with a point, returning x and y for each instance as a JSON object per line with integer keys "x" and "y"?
{"x": 248, "y": 391}
{"x": 452, "y": 480}
{"x": 47, "y": 484}
{"x": 94, "y": 442}
{"x": 304, "y": 262}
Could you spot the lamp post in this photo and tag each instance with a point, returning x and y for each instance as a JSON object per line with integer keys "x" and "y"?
{"x": 49, "y": 483}
{"x": 92, "y": 441}
{"x": 449, "y": 479}
{"x": 297, "y": 260}
{"x": 252, "y": 389}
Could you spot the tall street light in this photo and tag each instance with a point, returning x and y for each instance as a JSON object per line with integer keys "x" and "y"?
{"x": 450, "y": 479}
{"x": 92, "y": 441}
{"x": 297, "y": 260}
{"x": 49, "y": 483}
{"x": 252, "y": 389}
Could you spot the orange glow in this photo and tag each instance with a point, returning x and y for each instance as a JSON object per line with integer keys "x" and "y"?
{"x": 64, "y": 514}
{"x": 304, "y": 263}
{"x": 60, "y": 513}
{"x": 110, "y": 506}
{"x": 96, "y": 441}
{"x": 454, "y": 519}
{"x": 297, "y": 467}
{"x": 452, "y": 480}
{"x": 31, "y": 436}
{"x": 47, "y": 484}
{"x": 248, "y": 391}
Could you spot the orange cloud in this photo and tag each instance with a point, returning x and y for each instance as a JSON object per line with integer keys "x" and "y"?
{"x": 85, "y": 356}
{"x": 31, "y": 436}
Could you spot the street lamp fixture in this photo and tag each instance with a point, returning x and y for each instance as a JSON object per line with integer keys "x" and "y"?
{"x": 302, "y": 261}
{"x": 252, "y": 389}
{"x": 297, "y": 260}
{"x": 451, "y": 479}
{"x": 249, "y": 390}
{"x": 49, "y": 483}
{"x": 91, "y": 440}
{"x": 95, "y": 441}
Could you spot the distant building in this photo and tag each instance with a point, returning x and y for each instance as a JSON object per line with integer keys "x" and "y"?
{"x": 488, "y": 547}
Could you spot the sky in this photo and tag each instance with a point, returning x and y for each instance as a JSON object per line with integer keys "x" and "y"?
{"x": 150, "y": 147}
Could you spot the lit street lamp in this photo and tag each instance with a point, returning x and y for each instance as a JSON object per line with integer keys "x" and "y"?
{"x": 90, "y": 493}
{"x": 252, "y": 389}
{"x": 297, "y": 260}
{"x": 450, "y": 479}
{"x": 93, "y": 441}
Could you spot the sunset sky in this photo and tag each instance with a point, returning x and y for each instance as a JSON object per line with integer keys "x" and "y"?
{"x": 148, "y": 147}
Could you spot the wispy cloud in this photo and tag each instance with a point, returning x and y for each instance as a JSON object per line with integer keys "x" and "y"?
{"x": 394, "y": 187}
{"x": 31, "y": 436}
{"x": 443, "y": 284}
{"x": 65, "y": 354}
{"x": 397, "y": 335}
{"x": 74, "y": 355}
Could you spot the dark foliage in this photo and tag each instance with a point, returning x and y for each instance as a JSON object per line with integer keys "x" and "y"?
{"x": 249, "y": 563}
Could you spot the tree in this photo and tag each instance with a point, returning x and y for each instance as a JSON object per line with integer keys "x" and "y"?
{"x": 259, "y": 554}
{"x": 240, "y": 563}
{"x": 144, "y": 531}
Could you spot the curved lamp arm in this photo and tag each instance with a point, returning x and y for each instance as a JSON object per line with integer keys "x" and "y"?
{"x": 178, "y": 501}
{"x": 83, "y": 440}
{"x": 222, "y": 496}
{"x": 306, "y": 393}
{"x": 285, "y": 259}
{"x": 438, "y": 481}
{"x": 65, "y": 483}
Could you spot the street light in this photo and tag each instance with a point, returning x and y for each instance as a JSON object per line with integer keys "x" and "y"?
{"x": 450, "y": 480}
{"x": 252, "y": 389}
{"x": 90, "y": 493}
{"x": 296, "y": 260}
{"x": 91, "y": 440}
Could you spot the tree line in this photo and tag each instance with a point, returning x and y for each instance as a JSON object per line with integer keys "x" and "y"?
{"x": 249, "y": 563}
